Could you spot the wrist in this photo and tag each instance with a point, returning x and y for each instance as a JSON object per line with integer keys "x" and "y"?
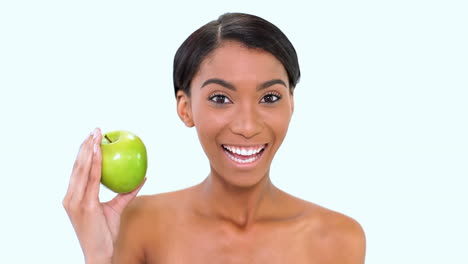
{"x": 98, "y": 261}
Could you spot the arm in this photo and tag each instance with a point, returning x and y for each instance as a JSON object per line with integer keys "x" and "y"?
{"x": 348, "y": 242}
{"x": 129, "y": 245}
{"x": 353, "y": 243}
{"x": 96, "y": 224}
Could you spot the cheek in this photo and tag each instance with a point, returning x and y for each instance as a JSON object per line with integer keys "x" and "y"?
{"x": 280, "y": 126}
{"x": 209, "y": 124}
{"x": 278, "y": 120}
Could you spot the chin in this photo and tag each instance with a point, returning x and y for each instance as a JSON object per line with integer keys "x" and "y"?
{"x": 241, "y": 167}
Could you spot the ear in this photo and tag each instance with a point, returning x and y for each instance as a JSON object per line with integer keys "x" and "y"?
{"x": 184, "y": 108}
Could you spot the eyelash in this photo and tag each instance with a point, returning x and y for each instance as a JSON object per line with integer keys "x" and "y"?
{"x": 220, "y": 95}
{"x": 271, "y": 94}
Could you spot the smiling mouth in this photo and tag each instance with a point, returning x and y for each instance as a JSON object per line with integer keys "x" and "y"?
{"x": 244, "y": 155}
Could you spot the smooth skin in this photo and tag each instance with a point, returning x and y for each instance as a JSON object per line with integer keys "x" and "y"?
{"x": 239, "y": 97}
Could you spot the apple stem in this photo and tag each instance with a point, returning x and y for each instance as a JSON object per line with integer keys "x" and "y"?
{"x": 108, "y": 138}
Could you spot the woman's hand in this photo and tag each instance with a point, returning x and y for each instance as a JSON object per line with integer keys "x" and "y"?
{"x": 96, "y": 224}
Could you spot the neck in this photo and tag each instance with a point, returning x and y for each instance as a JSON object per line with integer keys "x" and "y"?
{"x": 240, "y": 206}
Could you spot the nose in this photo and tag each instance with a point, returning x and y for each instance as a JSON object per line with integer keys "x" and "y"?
{"x": 247, "y": 122}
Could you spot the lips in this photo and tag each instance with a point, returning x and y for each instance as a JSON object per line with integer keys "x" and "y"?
{"x": 244, "y": 154}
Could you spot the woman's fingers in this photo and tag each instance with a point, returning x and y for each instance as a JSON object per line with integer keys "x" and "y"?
{"x": 77, "y": 166}
{"x": 92, "y": 190}
{"x": 81, "y": 169}
{"x": 121, "y": 200}
{"x": 85, "y": 168}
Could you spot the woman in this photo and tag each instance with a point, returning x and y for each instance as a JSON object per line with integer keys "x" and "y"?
{"x": 234, "y": 81}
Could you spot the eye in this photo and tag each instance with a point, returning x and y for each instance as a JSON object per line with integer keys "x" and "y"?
{"x": 270, "y": 98}
{"x": 220, "y": 99}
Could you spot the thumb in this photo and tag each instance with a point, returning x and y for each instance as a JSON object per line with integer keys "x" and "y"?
{"x": 122, "y": 199}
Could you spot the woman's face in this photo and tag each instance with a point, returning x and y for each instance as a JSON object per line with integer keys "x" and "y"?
{"x": 241, "y": 105}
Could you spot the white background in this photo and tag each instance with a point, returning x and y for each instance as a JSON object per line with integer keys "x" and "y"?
{"x": 379, "y": 132}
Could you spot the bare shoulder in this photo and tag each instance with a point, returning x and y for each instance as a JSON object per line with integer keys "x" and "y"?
{"x": 146, "y": 216}
{"x": 159, "y": 206}
{"x": 340, "y": 238}
{"x": 144, "y": 222}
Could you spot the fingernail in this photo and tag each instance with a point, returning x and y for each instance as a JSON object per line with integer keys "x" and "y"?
{"x": 95, "y": 147}
{"x": 95, "y": 133}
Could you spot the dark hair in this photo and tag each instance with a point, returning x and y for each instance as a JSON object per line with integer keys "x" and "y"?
{"x": 250, "y": 30}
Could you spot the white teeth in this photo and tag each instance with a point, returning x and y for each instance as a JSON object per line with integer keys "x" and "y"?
{"x": 249, "y": 160}
{"x": 244, "y": 151}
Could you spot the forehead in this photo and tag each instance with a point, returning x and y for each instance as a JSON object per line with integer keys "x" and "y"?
{"x": 234, "y": 61}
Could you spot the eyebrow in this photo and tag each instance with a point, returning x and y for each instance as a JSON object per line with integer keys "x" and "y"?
{"x": 230, "y": 86}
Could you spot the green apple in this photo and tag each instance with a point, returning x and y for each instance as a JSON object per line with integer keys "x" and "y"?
{"x": 124, "y": 161}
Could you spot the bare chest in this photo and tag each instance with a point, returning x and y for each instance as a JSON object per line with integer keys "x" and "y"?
{"x": 271, "y": 245}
